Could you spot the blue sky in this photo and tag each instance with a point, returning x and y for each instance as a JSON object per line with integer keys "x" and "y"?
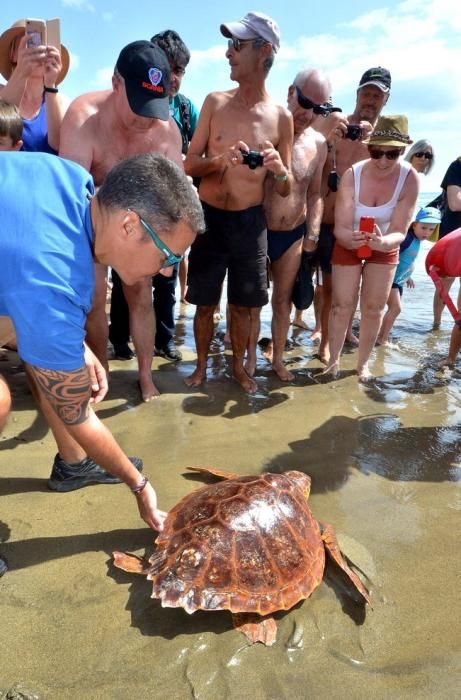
{"x": 418, "y": 40}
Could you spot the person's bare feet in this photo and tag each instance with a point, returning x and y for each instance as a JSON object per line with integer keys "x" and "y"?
{"x": 245, "y": 381}
{"x": 364, "y": 373}
{"x": 197, "y": 377}
{"x": 282, "y": 372}
{"x": 446, "y": 363}
{"x": 147, "y": 388}
{"x": 332, "y": 370}
{"x": 300, "y": 323}
{"x": 268, "y": 351}
{"x": 316, "y": 335}
{"x": 351, "y": 339}
{"x": 250, "y": 364}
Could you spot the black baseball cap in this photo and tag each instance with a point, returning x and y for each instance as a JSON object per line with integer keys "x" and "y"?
{"x": 146, "y": 72}
{"x": 376, "y": 76}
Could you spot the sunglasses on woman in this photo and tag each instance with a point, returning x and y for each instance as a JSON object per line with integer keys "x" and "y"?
{"x": 423, "y": 154}
{"x": 390, "y": 155}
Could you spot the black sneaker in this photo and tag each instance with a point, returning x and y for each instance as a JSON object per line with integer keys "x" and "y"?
{"x": 170, "y": 351}
{"x": 69, "y": 477}
{"x": 122, "y": 351}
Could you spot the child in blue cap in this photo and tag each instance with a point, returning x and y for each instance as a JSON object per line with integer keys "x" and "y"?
{"x": 423, "y": 228}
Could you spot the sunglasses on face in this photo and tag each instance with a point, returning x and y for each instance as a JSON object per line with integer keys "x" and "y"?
{"x": 306, "y": 103}
{"x": 390, "y": 155}
{"x": 423, "y": 154}
{"x": 237, "y": 44}
{"x": 171, "y": 258}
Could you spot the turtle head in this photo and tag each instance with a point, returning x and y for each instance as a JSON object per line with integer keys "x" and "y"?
{"x": 302, "y": 481}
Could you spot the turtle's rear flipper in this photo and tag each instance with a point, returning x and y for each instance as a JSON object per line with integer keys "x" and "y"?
{"x": 332, "y": 547}
{"x": 256, "y": 628}
{"x": 130, "y": 563}
{"x": 220, "y": 473}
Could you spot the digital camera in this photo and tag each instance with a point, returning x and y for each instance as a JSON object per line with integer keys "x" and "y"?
{"x": 254, "y": 159}
{"x": 353, "y": 132}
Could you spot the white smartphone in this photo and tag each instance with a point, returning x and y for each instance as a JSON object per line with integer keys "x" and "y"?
{"x": 36, "y": 32}
{"x": 53, "y": 33}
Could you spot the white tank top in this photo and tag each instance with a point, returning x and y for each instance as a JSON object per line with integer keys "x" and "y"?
{"x": 383, "y": 213}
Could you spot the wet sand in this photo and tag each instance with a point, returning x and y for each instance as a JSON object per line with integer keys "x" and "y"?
{"x": 385, "y": 465}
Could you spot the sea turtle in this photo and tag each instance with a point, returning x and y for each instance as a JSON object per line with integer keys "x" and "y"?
{"x": 249, "y": 545}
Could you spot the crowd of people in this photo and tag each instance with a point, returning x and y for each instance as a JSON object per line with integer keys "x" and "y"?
{"x": 278, "y": 186}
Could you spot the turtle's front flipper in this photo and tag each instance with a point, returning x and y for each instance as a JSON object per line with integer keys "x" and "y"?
{"x": 256, "y": 628}
{"x": 332, "y": 547}
{"x": 220, "y": 473}
{"x": 130, "y": 563}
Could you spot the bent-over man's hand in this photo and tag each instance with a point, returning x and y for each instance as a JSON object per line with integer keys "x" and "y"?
{"x": 147, "y": 505}
{"x": 272, "y": 160}
{"x": 98, "y": 376}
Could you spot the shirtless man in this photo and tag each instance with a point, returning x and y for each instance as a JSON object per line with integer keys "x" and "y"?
{"x": 232, "y": 193}
{"x": 291, "y": 218}
{"x": 372, "y": 94}
{"x": 99, "y": 130}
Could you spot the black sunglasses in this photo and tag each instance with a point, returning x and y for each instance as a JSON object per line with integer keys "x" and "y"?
{"x": 390, "y": 155}
{"x": 423, "y": 154}
{"x": 306, "y": 103}
{"x": 237, "y": 44}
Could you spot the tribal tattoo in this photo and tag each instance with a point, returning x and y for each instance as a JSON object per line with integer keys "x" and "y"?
{"x": 68, "y": 392}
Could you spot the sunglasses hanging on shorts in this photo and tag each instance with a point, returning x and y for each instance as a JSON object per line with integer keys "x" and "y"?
{"x": 423, "y": 154}
{"x": 390, "y": 155}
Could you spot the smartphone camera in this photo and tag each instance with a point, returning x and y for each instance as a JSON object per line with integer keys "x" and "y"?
{"x": 254, "y": 159}
{"x": 353, "y": 132}
{"x": 33, "y": 39}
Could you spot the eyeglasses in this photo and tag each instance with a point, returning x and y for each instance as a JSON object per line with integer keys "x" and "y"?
{"x": 171, "y": 258}
{"x": 238, "y": 44}
{"x": 423, "y": 154}
{"x": 390, "y": 155}
{"x": 306, "y": 103}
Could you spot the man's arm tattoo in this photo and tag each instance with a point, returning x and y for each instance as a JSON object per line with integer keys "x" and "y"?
{"x": 67, "y": 392}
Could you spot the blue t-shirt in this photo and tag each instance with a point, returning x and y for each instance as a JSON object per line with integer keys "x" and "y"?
{"x": 46, "y": 237}
{"x": 409, "y": 249}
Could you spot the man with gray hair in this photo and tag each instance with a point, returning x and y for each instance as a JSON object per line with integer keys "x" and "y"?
{"x": 99, "y": 130}
{"x": 242, "y": 139}
{"x": 293, "y": 222}
{"x": 142, "y": 219}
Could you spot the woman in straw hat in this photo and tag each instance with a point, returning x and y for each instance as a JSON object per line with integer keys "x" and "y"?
{"x": 385, "y": 188}
{"x": 33, "y": 74}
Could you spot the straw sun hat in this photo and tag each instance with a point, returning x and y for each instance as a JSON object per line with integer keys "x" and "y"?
{"x": 391, "y": 130}
{"x": 7, "y": 38}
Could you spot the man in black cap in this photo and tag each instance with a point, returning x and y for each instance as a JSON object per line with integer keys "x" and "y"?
{"x": 99, "y": 130}
{"x": 372, "y": 94}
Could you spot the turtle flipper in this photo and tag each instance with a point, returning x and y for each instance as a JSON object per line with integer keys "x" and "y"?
{"x": 220, "y": 473}
{"x": 256, "y": 628}
{"x": 332, "y": 547}
{"x": 130, "y": 563}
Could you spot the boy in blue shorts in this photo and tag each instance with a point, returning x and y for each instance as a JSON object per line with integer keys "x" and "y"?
{"x": 422, "y": 229}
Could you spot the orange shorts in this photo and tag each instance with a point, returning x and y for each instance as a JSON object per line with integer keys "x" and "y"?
{"x": 344, "y": 256}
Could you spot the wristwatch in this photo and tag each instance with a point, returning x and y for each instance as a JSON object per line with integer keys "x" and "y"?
{"x": 313, "y": 237}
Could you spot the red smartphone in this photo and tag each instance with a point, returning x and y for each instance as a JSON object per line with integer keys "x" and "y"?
{"x": 366, "y": 225}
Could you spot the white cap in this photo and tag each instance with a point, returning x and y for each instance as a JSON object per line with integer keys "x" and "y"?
{"x": 255, "y": 25}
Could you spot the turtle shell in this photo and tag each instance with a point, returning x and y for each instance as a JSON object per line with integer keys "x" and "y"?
{"x": 249, "y": 544}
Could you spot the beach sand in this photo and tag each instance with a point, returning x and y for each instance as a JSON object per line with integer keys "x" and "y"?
{"x": 385, "y": 464}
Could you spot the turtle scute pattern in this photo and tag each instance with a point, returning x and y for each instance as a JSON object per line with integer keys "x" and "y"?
{"x": 249, "y": 544}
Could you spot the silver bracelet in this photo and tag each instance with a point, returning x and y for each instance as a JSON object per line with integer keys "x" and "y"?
{"x": 141, "y": 486}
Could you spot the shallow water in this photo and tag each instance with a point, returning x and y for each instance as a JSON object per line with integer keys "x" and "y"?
{"x": 385, "y": 466}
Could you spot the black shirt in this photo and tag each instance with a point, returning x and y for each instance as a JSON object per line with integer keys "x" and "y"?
{"x": 451, "y": 220}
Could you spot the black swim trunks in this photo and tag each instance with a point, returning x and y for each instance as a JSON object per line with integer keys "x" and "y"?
{"x": 325, "y": 247}
{"x": 278, "y": 242}
{"x": 236, "y": 242}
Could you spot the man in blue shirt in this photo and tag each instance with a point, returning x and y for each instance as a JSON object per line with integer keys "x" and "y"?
{"x": 51, "y": 230}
